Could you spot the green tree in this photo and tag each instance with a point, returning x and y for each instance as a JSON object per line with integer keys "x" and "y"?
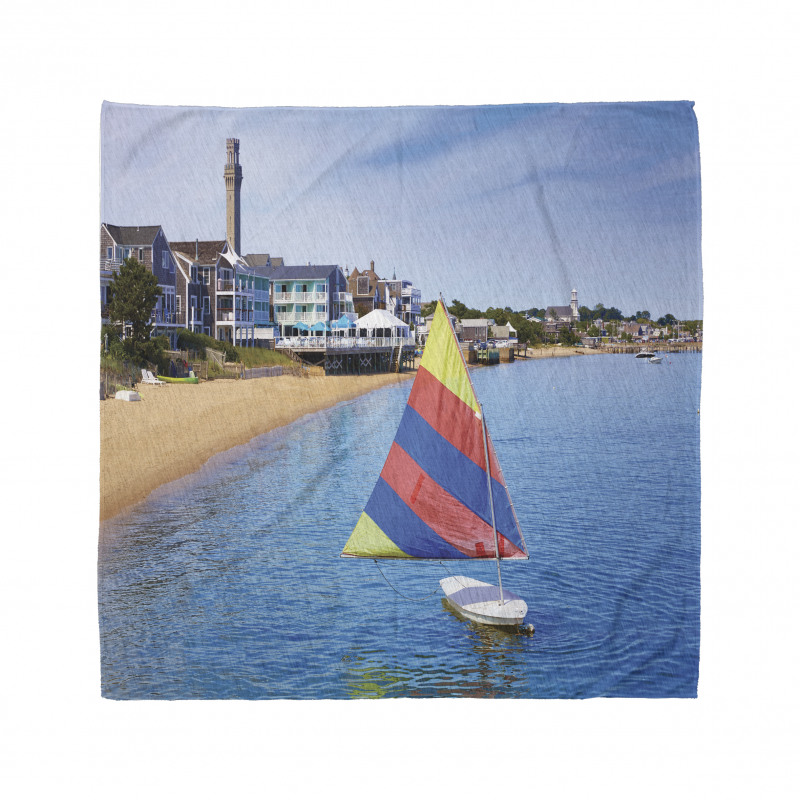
{"x": 666, "y": 321}
{"x": 133, "y": 293}
{"x": 566, "y": 336}
{"x": 428, "y": 309}
{"x": 457, "y": 309}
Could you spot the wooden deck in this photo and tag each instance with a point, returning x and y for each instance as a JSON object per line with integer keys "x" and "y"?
{"x": 362, "y": 360}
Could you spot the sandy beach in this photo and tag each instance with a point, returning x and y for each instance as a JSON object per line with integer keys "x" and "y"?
{"x": 176, "y": 428}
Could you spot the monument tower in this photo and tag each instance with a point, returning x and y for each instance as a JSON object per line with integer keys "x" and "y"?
{"x": 233, "y": 187}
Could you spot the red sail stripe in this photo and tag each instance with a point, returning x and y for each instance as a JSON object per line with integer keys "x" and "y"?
{"x": 452, "y": 419}
{"x": 439, "y": 510}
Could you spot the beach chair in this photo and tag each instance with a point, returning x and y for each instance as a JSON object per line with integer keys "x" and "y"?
{"x": 148, "y": 377}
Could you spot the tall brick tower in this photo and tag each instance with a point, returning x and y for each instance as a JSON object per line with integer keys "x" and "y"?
{"x": 233, "y": 188}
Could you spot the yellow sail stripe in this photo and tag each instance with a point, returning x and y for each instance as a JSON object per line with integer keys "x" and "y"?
{"x": 443, "y": 360}
{"x": 369, "y": 541}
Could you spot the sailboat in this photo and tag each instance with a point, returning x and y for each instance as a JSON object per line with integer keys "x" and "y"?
{"x": 441, "y": 493}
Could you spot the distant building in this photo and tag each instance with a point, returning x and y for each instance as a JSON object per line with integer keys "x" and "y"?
{"x": 564, "y": 315}
{"x": 507, "y": 331}
{"x": 476, "y": 330}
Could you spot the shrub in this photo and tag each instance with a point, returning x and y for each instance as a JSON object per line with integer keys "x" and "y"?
{"x": 189, "y": 340}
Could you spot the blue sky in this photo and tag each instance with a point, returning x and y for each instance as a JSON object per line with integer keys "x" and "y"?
{"x": 492, "y": 205}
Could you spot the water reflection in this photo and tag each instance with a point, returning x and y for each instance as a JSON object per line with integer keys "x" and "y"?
{"x": 491, "y": 664}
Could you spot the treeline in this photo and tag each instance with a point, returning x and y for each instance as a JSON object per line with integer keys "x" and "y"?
{"x": 591, "y": 320}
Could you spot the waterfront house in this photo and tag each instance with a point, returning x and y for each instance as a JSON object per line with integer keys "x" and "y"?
{"x": 365, "y": 289}
{"x": 200, "y": 259}
{"x": 149, "y": 245}
{"x": 188, "y": 293}
{"x": 411, "y": 303}
{"x": 260, "y": 267}
{"x": 304, "y": 296}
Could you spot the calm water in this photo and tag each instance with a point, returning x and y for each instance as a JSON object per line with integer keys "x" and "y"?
{"x": 228, "y": 584}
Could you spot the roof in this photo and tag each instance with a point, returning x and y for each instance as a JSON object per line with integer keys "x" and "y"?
{"x": 207, "y": 252}
{"x": 314, "y": 271}
{"x": 562, "y": 311}
{"x": 475, "y": 323}
{"x": 380, "y": 318}
{"x": 133, "y": 235}
{"x": 374, "y": 280}
{"x": 262, "y": 260}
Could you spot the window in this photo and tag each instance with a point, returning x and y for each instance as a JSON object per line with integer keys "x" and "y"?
{"x": 207, "y": 276}
{"x": 178, "y": 307}
{"x": 141, "y": 255}
{"x": 166, "y": 261}
{"x": 206, "y": 305}
{"x": 194, "y": 274}
{"x": 362, "y": 284}
{"x": 109, "y": 253}
{"x": 320, "y": 287}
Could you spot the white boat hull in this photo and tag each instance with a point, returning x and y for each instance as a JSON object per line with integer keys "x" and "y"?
{"x": 480, "y": 602}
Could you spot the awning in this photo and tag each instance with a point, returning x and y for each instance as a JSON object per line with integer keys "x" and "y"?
{"x": 344, "y": 322}
{"x": 320, "y": 326}
{"x": 301, "y": 326}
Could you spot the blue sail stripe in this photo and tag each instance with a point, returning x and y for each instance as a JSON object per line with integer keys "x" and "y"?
{"x": 457, "y": 474}
{"x": 404, "y": 527}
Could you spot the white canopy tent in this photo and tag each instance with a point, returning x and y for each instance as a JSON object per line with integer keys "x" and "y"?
{"x": 380, "y": 323}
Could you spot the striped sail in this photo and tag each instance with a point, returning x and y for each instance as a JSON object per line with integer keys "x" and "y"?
{"x": 432, "y": 497}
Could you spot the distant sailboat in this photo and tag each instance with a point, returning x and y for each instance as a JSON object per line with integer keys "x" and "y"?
{"x": 441, "y": 493}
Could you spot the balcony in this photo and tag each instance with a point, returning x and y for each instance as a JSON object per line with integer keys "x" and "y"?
{"x": 163, "y": 318}
{"x": 309, "y": 317}
{"x": 234, "y": 315}
{"x": 233, "y": 286}
{"x": 300, "y": 297}
{"x": 110, "y": 264}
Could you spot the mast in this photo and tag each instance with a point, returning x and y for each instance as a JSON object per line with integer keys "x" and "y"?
{"x": 491, "y": 504}
{"x": 486, "y": 457}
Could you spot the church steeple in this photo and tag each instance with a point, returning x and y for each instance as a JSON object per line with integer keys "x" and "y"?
{"x": 233, "y": 185}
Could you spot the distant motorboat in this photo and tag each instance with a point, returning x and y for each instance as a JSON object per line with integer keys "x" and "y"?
{"x": 645, "y": 354}
{"x": 655, "y": 360}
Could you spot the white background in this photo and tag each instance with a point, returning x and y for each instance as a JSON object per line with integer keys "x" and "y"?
{"x": 59, "y": 61}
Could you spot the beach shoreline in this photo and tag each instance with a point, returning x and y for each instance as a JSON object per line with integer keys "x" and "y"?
{"x": 175, "y": 429}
